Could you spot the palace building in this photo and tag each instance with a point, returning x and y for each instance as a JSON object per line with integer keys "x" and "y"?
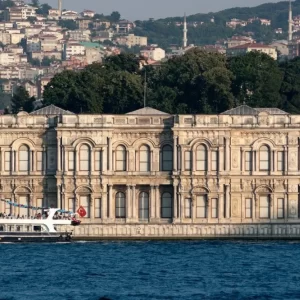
{"x": 155, "y": 172}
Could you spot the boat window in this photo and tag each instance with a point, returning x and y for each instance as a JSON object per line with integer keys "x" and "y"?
{"x": 18, "y": 228}
{"x": 37, "y": 228}
{"x": 1, "y": 228}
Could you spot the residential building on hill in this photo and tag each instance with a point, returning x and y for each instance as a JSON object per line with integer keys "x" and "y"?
{"x": 154, "y": 53}
{"x": 243, "y": 49}
{"x": 151, "y": 174}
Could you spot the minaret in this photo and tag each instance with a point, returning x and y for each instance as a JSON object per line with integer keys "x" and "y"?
{"x": 184, "y": 32}
{"x": 60, "y": 7}
{"x": 290, "y": 22}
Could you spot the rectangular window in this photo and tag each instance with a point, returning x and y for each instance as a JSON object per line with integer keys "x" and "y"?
{"x": 71, "y": 204}
{"x": 264, "y": 211}
{"x": 248, "y": 207}
{"x": 187, "y": 160}
{"x": 39, "y": 161}
{"x": 7, "y": 164}
{"x": 214, "y": 160}
{"x": 8, "y": 208}
{"x": 201, "y": 207}
{"x": 98, "y": 161}
{"x": 39, "y": 202}
{"x": 188, "y": 208}
{"x": 98, "y": 208}
{"x": 214, "y": 208}
{"x": 71, "y": 161}
{"x": 280, "y": 161}
{"x": 248, "y": 161}
{"x": 280, "y": 208}
{"x": 85, "y": 203}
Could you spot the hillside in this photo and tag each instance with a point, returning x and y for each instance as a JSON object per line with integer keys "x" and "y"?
{"x": 165, "y": 32}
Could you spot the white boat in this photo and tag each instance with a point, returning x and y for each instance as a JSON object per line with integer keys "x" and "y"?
{"x": 41, "y": 228}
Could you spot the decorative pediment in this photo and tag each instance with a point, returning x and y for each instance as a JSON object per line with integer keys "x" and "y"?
{"x": 200, "y": 190}
{"x": 263, "y": 190}
{"x": 83, "y": 190}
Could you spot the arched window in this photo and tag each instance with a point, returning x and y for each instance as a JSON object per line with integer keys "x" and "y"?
{"x": 167, "y": 158}
{"x": 201, "y": 158}
{"x": 121, "y": 158}
{"x": 143, "y": 206}
{"x": 144, "y": 158}
{"x": 24, "y": 158}
{"x": 84, "y": 158}
{"x": 166, "y": 205}
{"x": 264, "y": 158}
{"x": 120, "y": 205}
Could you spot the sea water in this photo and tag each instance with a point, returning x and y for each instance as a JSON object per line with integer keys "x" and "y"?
{"x": 150, "y": 270}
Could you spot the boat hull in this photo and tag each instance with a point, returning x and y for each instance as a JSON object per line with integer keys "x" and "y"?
{"x": 34, "y": 237}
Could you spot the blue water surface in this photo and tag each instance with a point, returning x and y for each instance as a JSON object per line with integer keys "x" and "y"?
{"x": 150, "y": 270}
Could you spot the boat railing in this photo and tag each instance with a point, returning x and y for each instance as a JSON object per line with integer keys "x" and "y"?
{"x": 12, "y": 217}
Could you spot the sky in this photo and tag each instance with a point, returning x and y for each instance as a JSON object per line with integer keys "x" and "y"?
{"x": 143, "y": 10}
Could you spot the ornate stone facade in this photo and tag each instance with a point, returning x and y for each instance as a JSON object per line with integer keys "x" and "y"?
{"x": 147, "y": 167}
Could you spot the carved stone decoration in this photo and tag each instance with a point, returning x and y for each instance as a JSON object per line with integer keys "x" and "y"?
{"x": 292, "y": 160}
{"x": 293, "y": 140}
{"x": 235, "y": 208}
{"x": 293, "y": 188}
{"x": 293, "y": 208}
{"x": 235, "y": 159}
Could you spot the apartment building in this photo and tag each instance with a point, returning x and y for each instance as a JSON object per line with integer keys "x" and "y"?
{"x": 153, "y": 53}
{"x": 73, "y": 49}
{"x": 243, "y": 49}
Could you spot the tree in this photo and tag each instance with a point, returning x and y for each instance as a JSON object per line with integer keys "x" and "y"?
{"x": 69, "y": 24}
{"x": 31, "y": 19}
{"x": 44, "y": 9}
{"x": 35, "y": 3}
{"x": 290, "y": 88}
{"x": 115, "y": 16}
{"x": 22, "y": 100}
{"x": 257, "y": 80}
{"x": 123, "y": 62}
{"x": 197, "y": 82}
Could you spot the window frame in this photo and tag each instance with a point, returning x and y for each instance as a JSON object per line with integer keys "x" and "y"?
{"x": 214, "y": 160}
{"x": 264, "y": 160}
{"x": 84, "y": 160}
{"x": 201, "y": 208}
{"x": 248, "y": 208}
{"x": 280, "y": 161}
{"x": 248, "y": 161}
{"x": 261, "y": 216}
{"x": 22, "y": 161}
{"x": 98, "y": 160}
{"x": 143, "y": 206}
{"x": 188, "y": 160}
{"x": 166, "y": 196}
{"x": 280, "y": 209}
{"x": 144, "y": 149}
{"x": 167, "y": 159}
{"x": 201, "y": 158}
{"x": 121, "y": 149}
{"x": 188, "y": 208}
{"x": 120, "y": 205}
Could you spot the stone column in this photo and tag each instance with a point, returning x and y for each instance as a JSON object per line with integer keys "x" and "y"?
{"x": 221, "y": 159}
{"x": 182, "y": 161}
{"x": 65, "y": 153}
{"x": 92, "y": 160}
{"x": 59, "y": 196}
{"x": 253, "y": 161}
{"x": 152, "y": 162}
{"x": 175, "y": 165}
{"x": 92, "y": 207}
{"x": 242, "y": 160}
{"x": 175, "y": 202}
{"x": 221, "y": 206}
{"x": 285, "y": 160}
{"x": 134, "y": 205}
{"x": 274, "y": 161}
{"x": 109, "y": 154}
{"x": 227, "y": 216}
{"x": 58, "y": 154}
{"x": 110, "y": 201}
{"x": 32, "y": 161}
{"x": 128, "y": 203}
{"x": 157, "y": 202}
{"x": 104, "y": 203}
{"x": 227, "y": 149}
{"x": 285, "y": 207}
{"x": 104, "y": 159}
{"x": 13, "y": 161}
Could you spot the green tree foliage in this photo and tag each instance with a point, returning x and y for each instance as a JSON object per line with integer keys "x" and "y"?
{"x": 290, "y": 88}
{"x": 257, "y": 80}
{"x": 197, "y": 82}
{"x": 69, "y": 24}
{"x": 115, "y": 16}
{"x": 6, "y": 3}
{"x": 44, "y": 9}
{"x": 21, "y": 100}
{"x": 35, "y": 3}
